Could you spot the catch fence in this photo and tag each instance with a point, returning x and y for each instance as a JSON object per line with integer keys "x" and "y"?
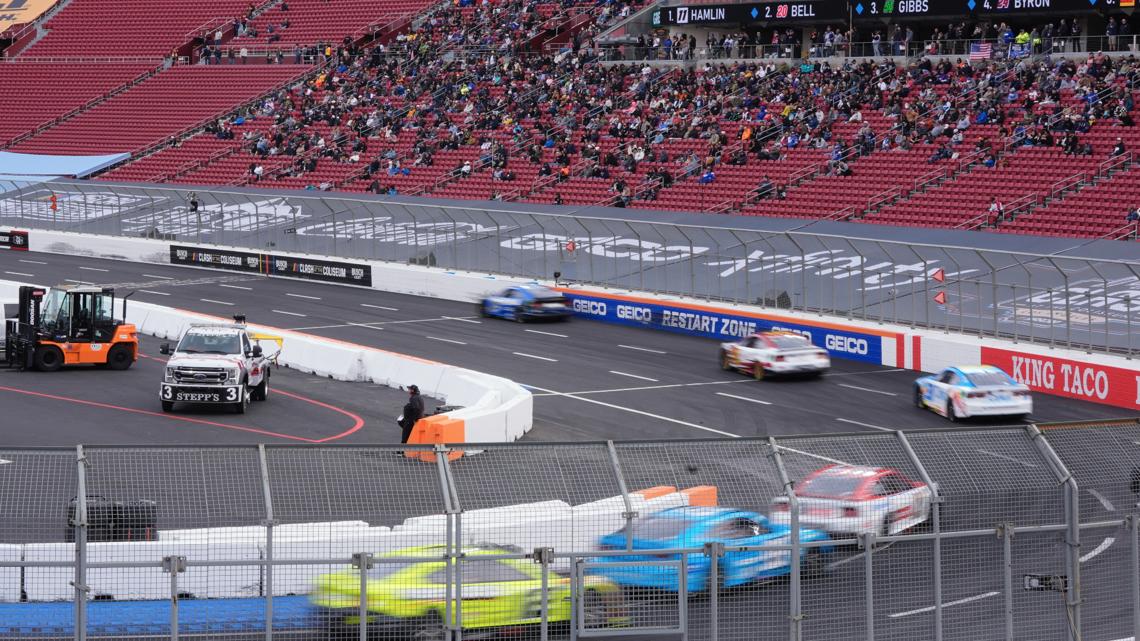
{"x": 1012, "y": 533}
{"x": 1063, "y": 298}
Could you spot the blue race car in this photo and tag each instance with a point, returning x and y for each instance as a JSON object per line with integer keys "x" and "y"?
{"x": 692, "y": 527}
{"x": 521, "y": 303}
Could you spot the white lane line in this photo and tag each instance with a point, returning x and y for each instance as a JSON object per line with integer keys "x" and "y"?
{"x": 743, "y": 398}
{"x": 388, "y": 309}
{"x": 874, "y": 371}
{"x": 815, "y": 456}
{"x": 279, "y": 311}
{"x": 878, "y": 548}
{"x": 535, "y": 331}
{"x": 633, "y": 411}
{"x": 148, "y": 291}
{"x": 94, "y": 269}
{"x": 642, "y": 349}
{"x": 445, "y": 340}
{"x": 20, "y": 274}
{"x": 1104, "y": 545}
{"x": 77, "y": 282}
{"x": 303, "y": 296}
{"x": 32, "y": 262}
{"x": 217, "y": 302}
{"x": 874, "y": 427}
{"x": 366, "y": 325}
{"x": 646, "y": 387}
{"x": 159, "y": 277}
{"x": 462, "y": 319}
{"x": 867, "y": 389}
{"x": 1008, "y": 458}
{"x": 244, "y": 289}
{"x": 541, "y": 358}
{"x": 976, "y": 597}
{"x": 1103, "y": 501}
{"x": 644, "y": 378}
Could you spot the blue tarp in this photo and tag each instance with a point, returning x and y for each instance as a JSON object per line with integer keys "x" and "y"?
{"x": 109, "y": 618}
{"x": 45, "y": 166}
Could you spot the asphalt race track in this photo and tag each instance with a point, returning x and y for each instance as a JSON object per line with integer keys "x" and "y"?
{"x": 592, "y": 382}
{"x": 81, "y": 405}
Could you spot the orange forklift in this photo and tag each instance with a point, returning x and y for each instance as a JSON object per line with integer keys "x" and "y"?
{"x": 69, "y": 325}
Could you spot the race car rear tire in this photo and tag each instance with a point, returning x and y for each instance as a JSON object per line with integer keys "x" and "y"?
{"x": 950, "y": 414}
{"x": 483, "y": 310}
{"x": 120, "y": 357}
{"x": 594, "y": 609}
{"x": 918, "y": 398}
{"x": 427, "y": 628}
{"x": 261, "y": 392}
{"x": 725, "y": 361}
{"x": 758, "y": 371}
{"x": 168, "y": 406}
{"x": 47, "y": 358}
{"x": 518, "y": 317}
{"x": 813, "y": 565}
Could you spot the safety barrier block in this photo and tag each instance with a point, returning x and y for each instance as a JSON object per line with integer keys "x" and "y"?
{"x": 439, "y": 428}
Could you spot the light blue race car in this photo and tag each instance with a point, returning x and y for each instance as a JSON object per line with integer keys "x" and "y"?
{"x": 979, "y": 390}
{"x": 522, "y": 303}
{"x": 692, "y": 527}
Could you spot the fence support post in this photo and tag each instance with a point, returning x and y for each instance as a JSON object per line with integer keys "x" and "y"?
{"x": 795, "y": 608}
{"x": 174, "y": 565}
{"x": 936, "y": 526}
{"x": 269, "y": 523}
{"x": 1073, "y": 529}
{"x": 1005, "y": 533}
{"x": 1133, "y": 524}
{"x": 868, "y": 540}
{"x": 363, "y": 562}
{"x": 714, "y": 550}
{"x": 80, "y": 525}
{"x": 629, "y": 515}
{"x": 450, "y": 506}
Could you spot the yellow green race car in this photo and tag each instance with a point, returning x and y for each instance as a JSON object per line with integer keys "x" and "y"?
{"x": 408, "y": 600}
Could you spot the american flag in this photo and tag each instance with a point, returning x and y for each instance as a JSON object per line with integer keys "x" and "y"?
{"x": 981, "y": 51}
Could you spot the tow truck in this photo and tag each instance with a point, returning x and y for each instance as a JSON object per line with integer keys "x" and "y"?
{"x": 220, "y": 364}
{"x": 69, "y": 325}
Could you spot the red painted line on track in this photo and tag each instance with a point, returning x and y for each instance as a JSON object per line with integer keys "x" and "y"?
{"x": 358, "y": 421}
{"x": 357, "y": 424}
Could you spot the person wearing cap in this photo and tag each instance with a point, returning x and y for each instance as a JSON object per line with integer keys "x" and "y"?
{"x": 413, "y": 411}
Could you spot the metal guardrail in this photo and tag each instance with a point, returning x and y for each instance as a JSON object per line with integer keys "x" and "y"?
{"x": 1030, "y": 529}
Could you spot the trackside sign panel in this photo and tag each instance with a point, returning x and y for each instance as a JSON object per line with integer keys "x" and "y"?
{"x": 1073, "y": 379}
{"x": 851, "y": 345}
{"x": 273, "y": 265}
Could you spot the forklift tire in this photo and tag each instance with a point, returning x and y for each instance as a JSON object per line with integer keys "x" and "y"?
{"x": 168, "y": 406}
{"x": 47, "y": 358}
{"x": 120, "y": 357}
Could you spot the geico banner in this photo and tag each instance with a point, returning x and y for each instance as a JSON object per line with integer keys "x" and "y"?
{"x": 17, "y": 240}
{"x": 1074, "y": 379}
{"x": 698, "y": 321}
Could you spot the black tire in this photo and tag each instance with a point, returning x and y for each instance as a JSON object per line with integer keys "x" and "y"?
{"x": 261, "y": 392}
{"x": 725, "y": 361}
{"x": 517, "y": 316}
{"x": 47, "y": 358}
{"x": 168, "y": 406}
{"x": 428, "y": 628}
{"x": 483, "y": 310}
{"x": 121, "y": 357}
{"x": 950, "y": 412}
{"x": 758, "y": 371}
{"x": 593, "y": 610}
{"x": 243, "y": 403}
{"x": 918, "y": 398}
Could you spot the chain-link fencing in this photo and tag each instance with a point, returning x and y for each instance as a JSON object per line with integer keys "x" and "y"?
{"x": 971, "y": 533}
{"x": 1050, "y": 298}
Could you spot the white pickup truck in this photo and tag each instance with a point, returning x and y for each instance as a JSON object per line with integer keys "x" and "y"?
{"x": 217, "y": 364}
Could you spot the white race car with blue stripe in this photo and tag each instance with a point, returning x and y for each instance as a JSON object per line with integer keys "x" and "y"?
{"x": 979, "y": 390}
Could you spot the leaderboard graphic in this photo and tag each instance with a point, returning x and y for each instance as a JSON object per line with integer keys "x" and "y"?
{"x": 828, "y": 10}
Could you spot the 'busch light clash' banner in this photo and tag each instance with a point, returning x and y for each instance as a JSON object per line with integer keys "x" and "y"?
{"x": 725, "y": 326}
{"x": 1073, "y": 379}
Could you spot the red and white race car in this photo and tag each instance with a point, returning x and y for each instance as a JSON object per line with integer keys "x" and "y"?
{"x": 774, "y": 352}
{"x": 855, "y": 499}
